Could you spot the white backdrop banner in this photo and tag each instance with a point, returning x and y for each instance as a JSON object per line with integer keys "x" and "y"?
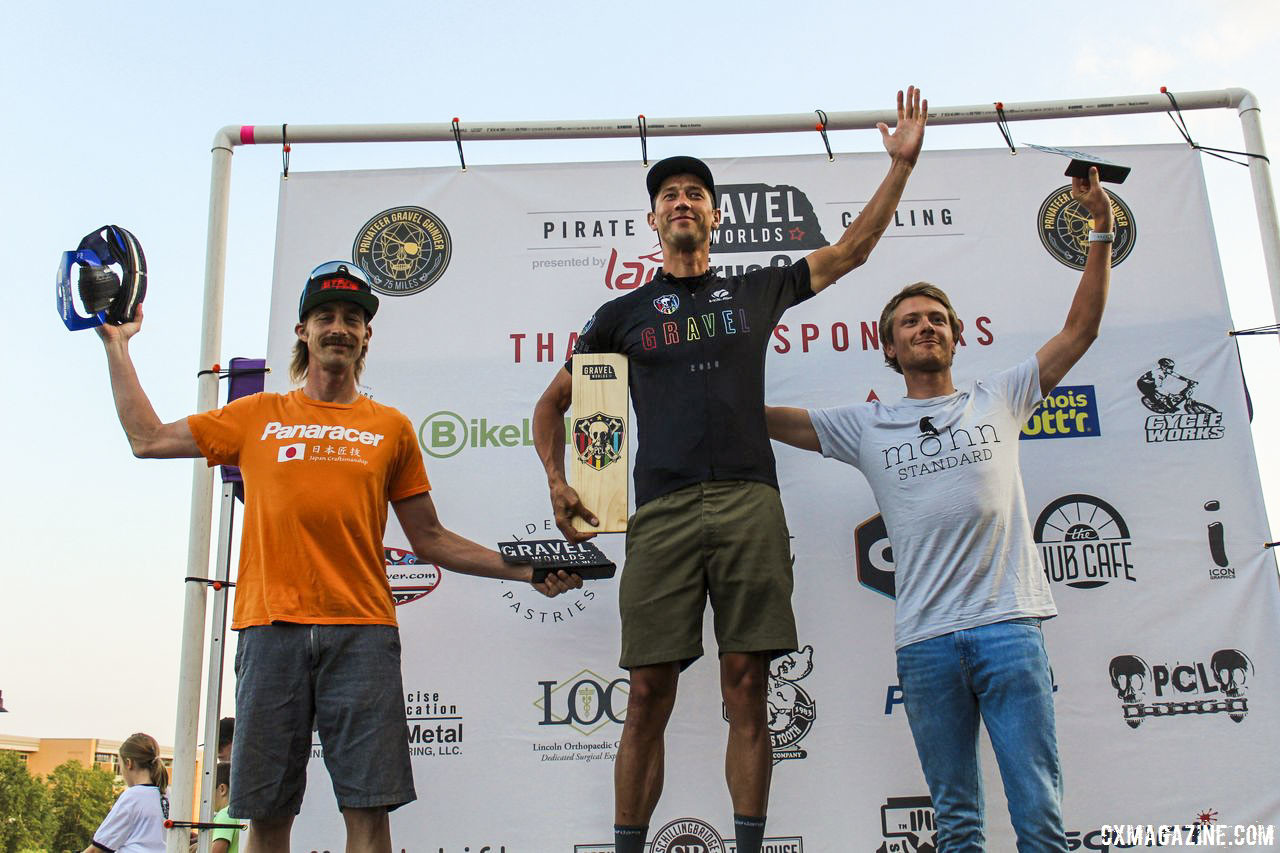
{"x": 1140, "y": 475}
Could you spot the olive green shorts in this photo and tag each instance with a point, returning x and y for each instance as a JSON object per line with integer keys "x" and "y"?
{"x": 724, "y": 540}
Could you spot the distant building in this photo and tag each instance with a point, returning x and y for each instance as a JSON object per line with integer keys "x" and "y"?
{"x": 43, "y": 754}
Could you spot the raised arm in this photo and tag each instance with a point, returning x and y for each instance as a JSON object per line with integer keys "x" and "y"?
{"x": 548, "y": 440}
{"x": 149, "y": 438}
{"x": 433, "y": 542}
{"x": 854, "y": 246}
{"x": 1064, "y": 349}
{"x": 791, "y": 426}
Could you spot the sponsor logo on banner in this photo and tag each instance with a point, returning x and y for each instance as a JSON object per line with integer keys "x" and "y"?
{"x": 1222, "y": 569}
{"x": 1065, "y": 225}
{"x": 908, "y": 825}
{"x": 292, "y": 452}
{"x": 1067, "y": 411}
{"x": 585, "y": 702}
{"x": 403, "y": 250}
{"x": 598, "y": 439}
{"x": 527, "y": 604}
{"x": 764, "y": 218}
{"x": 668, "y": 303}
{"x": 1084, "y": 542}
{"x": 629, "y": 274}
{"x": 694, "y": 835}
{"x": 873, "y": 556}
{"x": 443, "y": 434}
{"x": 435, "y": 725}
{"x": 791, "y": 709}
{"x": 410, "y": 580}
{"x": 1216, "y": 686}
{"x": 1179, "y": 416}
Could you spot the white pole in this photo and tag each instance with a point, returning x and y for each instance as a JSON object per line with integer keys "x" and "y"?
{"x": 182, "y": 791}
{"x": 1264, "y": 199}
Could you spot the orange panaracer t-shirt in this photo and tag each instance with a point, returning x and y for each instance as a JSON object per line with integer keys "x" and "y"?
{"x": 317, "y": 479}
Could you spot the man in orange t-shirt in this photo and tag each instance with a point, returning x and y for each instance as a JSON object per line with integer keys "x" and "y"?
{"x": 319, "y": 637}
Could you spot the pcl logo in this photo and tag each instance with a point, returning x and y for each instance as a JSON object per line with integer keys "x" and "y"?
{"x": 1084, "y": 542}
{"x": 1227, "y": 673}
{"x": 585, "y": 702}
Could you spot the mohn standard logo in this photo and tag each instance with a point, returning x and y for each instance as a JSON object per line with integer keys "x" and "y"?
{"x": 404, "y": 250}
{"x": 1065, "y": 225}
{"x": 1188, "y": 688}
{"x": 1179, "y": 416}
{"x": 1084, "y": 542}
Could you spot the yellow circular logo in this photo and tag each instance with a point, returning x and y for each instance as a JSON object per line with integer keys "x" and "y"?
{"x": 404, "y": 250}
{"x": 1065, "y": 224}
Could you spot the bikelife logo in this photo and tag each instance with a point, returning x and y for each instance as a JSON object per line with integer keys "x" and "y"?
{"x": 908, "y": 825}
{"x": 1065, "y": 412}
{"x": 530, "y": 605}
{"x": 1065, "y": 226}
{"x": 1179, "y": 417}
{"x": 404, "y": 250}
{"x": 1190, "y": 687}
{"x": 444, "y": 434}
{"x": 410, "y": 580}
{"x": 1084, "y": 542}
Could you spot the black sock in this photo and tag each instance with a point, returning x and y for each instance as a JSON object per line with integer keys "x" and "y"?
{"x": 748, "y": 832}
{"x": 629, "y": 839}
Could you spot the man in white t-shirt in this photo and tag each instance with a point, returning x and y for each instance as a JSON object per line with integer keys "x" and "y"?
{"x": 971, "y": 591}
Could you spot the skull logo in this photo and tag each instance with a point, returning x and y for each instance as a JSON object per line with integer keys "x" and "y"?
{"x": 1231, "y": 668}
{"x": 1129, "y": 677}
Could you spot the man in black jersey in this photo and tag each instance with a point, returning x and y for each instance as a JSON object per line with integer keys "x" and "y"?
{"x": 708, "y": 518}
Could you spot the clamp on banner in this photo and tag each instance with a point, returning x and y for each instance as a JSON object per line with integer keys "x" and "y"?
{"x": 105, "y": 296}
{"x": 821, "y": 127}
{"x": 1003, "y": 124}
{"x": 644, "y": 138}
{"x": 457, "y": 137}
{"x": 285, "y": 149}
{"x": 1181, "y": 124}
{"x": 216, "y": 584}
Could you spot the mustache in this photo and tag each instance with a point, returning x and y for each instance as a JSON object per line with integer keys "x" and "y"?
{"x": 339, "y": 340}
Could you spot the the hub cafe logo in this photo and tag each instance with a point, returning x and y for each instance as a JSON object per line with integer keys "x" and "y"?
{"x": 403, "y": 250}
{"x": 1065, "y": 225}
{"x": 873, "y": 556}
{"x": 1217, "y": 686}
{"x": 1084, "y": 542}
{"x": 585, "y": 702}
{"x": 1178, "y": 415}
{"x": 1067, "y": 411}
{"x": 766, "y": 218}
{"x": 410, "y": 580}
{"x": 598, "y": 439}
{"x": 908, "y": 825}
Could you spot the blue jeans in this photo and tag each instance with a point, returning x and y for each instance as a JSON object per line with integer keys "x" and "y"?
{"x": 999, "y": 672}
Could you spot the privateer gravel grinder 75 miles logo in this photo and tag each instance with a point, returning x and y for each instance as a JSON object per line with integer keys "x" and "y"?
{"x": 404, "y": 250}
{"x": 1065, "y": 224}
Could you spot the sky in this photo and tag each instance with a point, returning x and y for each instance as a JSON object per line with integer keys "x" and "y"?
{"x": 108, "y": 116}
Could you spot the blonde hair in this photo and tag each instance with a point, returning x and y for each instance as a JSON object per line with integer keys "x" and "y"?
{"x": 920, "y": 288}
{"x": 144, "y": 752}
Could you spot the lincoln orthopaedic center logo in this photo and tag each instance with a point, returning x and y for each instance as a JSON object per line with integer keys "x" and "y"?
{"x": 403, "y": 250}
{"x": 1084, "y": 542}
{"x": 764, "y": 218}
{"x": 598, "y": 439}
{"x": 584, "y": 702}
{"x": 1065, "y": 226}
{"x": 1192, "y": 687}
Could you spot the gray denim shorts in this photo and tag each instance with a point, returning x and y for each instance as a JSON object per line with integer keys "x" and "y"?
{"x": 344, "y": 679}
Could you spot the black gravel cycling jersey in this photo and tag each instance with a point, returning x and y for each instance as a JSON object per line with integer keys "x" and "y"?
{"x": 696, "y": 348}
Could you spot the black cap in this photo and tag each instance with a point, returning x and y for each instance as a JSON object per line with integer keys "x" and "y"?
{"x": 337, "y": 281}
{"x": 664, "y": 169}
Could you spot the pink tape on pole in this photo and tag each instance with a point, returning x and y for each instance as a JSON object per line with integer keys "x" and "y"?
{"x": 246, "y": 134}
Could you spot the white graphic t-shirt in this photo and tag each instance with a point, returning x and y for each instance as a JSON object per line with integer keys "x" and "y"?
{"x": 944, "y": 472}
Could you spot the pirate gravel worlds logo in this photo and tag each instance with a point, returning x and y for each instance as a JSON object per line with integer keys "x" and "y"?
{"x": 1084, "y": 542}
{"x": 1187, "y": 688}
{"x": 410, "y": 580}
{"x": 598, "y": 439}
{"x": 1065, "y": 225}
{"x": 403, "y": 250}
{"x": 766, "y": 218}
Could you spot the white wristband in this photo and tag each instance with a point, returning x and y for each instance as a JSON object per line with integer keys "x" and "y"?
{"x": 1102, "y": 236}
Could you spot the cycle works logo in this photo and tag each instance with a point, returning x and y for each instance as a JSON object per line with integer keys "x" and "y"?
{"x": 908, "y": 825}
{"x": 1084, "y": 542}
{"x": 598, "y": 439}
{"x": 1187, "y": 688}
{"x": 873, "y": 556}
{"x": 410, "y": 580}
{"x": 1179, "y": 417}
{"x": 1065, "y": 226}
{"x": 403, "y": 250}
{"x": 1066, "y": 412}
{"x": 765, "y": 218}
{"x": 791, "y": 709}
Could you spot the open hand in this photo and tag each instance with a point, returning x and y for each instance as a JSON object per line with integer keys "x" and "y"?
{"x": 907, "y": 137}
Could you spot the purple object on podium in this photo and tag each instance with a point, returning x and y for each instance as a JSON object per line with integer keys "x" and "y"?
{"x": 245, "y": 376}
